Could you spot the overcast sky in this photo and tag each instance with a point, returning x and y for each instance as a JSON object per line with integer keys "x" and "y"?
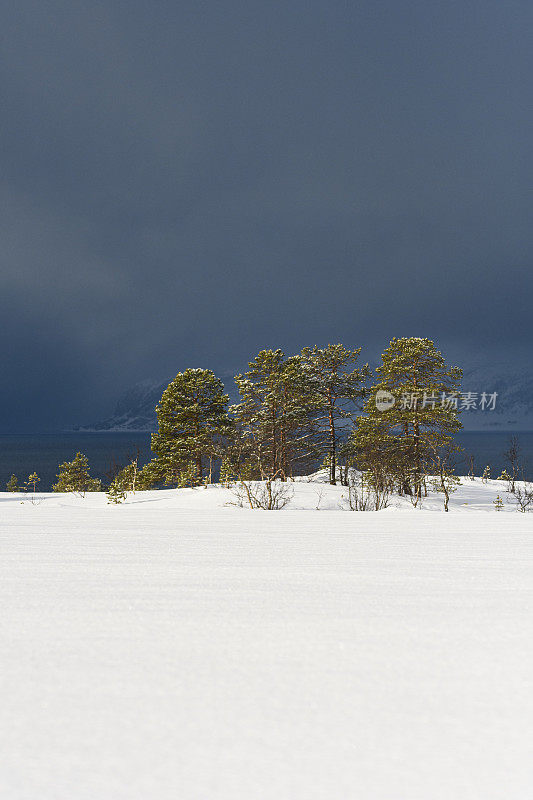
{"x": 186, "y": 183}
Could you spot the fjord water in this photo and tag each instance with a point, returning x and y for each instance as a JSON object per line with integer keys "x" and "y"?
{"x": 488, "y": 448}
{"x": 21, "y": 454}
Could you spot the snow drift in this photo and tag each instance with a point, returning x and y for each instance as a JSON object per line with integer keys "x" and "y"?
{"x": 179, "y": 647}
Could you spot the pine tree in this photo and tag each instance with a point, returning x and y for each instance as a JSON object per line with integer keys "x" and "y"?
{"x": 238, "y": 462}
{"x": 301, "y": 440}
{"x": 338, "y": 390}
{"x": 115, "y": 494}
{"x": 257, "y": 415}
{"x": 498, "y": 503}
{"x": 192, "y": 418}
{"x": 33, "y": 480}
{"x": 275, "y": 416}
{"x": 411, "y": 413}
{"x": 486, "y": 474}
{"x": 73, "y": 476}
{"x": 147, "y": 477}
{"x": 13, "y": 485}
{"x": 126, "y": 480}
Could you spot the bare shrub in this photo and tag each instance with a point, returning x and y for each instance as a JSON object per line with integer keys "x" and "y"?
{"x": 319, "y": 495}
{"x": 523, "y": 492}
{"x": 445, "y": 480}
{"x": 365, "y": 493}
{"x": 268, "y": 495}
{"x": 512, "y": 456}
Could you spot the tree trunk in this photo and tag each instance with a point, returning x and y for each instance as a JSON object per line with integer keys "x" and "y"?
{"x": 332, "y": 445}
{"x": 199, "y": 469}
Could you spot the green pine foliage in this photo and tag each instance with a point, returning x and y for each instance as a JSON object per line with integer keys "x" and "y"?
{"x": 32, "y": 481}
{"x": 115, "y": 494}
{"x": 338, "y": 390}
{"x": 13, "y": 485}
{"x": 193, "y": 420}
{"x": 294, "y": 413}
{"x": 237, "y": 462}
{"x": 401, "y": 441}
{"x": 498, "y": 503}
{"x": 126, "y": 480}
{"x": 147, "y": 477}
{"x": 275, "y": 419}
{"x": 486, "y": 474}
{"x": 74, "y": 476}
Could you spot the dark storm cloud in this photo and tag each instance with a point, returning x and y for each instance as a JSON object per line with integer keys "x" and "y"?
{"x": 185, "y": 183}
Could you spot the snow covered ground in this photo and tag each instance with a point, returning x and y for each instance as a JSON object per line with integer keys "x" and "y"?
{"x": 177, "y": 647}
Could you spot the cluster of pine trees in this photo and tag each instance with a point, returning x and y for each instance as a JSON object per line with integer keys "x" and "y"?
{"x": 295, "y": 413}
{"x": 289, "y": 417}
{"x": 74, "y": 476}
{"x": 300, "y": 411}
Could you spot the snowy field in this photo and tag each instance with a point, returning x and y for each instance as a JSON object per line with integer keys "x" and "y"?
{"x": 177, "y": 647}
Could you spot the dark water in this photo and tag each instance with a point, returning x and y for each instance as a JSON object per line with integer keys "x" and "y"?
{"x": 488, "y": 448}
{"x": 22, "y": 454}
{"x": 42, "y": 453}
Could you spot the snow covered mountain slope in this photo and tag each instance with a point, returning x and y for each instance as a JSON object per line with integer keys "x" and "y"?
{"x": 176, "y": 647}
{"x": 514, "y": 404}
{"x": 135, "y": 409}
